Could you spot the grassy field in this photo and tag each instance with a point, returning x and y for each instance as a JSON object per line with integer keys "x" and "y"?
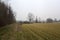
{"x": 36, "y": 31}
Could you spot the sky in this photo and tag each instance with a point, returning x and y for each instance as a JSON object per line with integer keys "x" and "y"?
{"x": 40, "y": 8}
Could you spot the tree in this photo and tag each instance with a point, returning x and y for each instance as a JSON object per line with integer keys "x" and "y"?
{"x": 6, "y": 14}
{"x": 30, "y": 17}
{"x": 36, "y": 20}
{"x": 11, "y": 17}
{"x": 59, "y": 21}
{"x": 49, "y": 20}
{"x": 55, "y": 20}
{"x": 39, "y": 20}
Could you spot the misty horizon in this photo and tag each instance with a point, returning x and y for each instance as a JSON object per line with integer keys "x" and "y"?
{"x": 40, "y": 8}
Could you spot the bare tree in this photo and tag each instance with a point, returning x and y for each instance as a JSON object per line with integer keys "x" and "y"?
{"x": 36, "y": 20}
{"x": 30, "y": 17}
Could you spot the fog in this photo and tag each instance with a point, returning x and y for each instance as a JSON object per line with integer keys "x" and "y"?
{"x": 41, "y": 8}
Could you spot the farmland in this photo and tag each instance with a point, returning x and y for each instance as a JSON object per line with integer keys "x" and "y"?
{"x": 35, "y": 31}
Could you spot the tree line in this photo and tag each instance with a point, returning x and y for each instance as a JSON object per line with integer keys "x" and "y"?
{"x": 48, "y": 20}
{"x": 6, "y": 14}
{"x": 33, "y": 19}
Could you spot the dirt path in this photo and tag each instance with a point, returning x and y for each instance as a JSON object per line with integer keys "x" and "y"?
{"x": 19, "y": 27}
{"x": 12, "y": 33}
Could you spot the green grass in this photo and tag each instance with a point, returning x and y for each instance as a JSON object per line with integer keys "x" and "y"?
{"x": 7, "y": 32}
{"x": 36, "y": 31}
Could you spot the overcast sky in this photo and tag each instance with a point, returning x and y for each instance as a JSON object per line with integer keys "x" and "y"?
{"x": 41, "y": 8}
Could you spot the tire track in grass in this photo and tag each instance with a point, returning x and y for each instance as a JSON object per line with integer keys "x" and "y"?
{"x": 53, "y": 37}
{"x": 31, "y": 32}
{"x": 45, "y": 34}
{"x": 39, "y": 34}
{"x": 53, "y": 29}
{"x": 27, "y": 35}
{"x": 19, "y": 32}
{"x": 51, "y": 32}
{"x": 13, "y": 35}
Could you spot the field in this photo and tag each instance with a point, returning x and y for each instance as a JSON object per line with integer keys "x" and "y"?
{"x": 36, "y": 31}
